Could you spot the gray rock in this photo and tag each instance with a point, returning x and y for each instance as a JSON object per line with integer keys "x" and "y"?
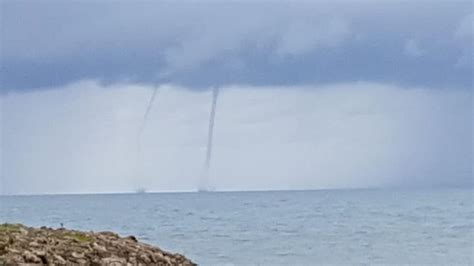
{"x": 29, "y": 257}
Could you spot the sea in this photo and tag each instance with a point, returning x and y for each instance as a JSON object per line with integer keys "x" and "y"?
{"x": 321, "y": 227}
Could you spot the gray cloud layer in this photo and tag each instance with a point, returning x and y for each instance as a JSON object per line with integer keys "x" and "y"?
{"x": 51, "y": 43}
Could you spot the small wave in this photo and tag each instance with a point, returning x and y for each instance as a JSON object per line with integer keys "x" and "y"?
{"x": 178, "y": 235}
{"x": 217, "y": 235}
{"x": 462, "y": 227}
{"x": 361, "y": 232}
{"x": 286, "y": 254}
{"x": 242, "y": 240}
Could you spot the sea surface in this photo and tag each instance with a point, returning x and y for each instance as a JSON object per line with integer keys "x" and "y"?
{"x": 426, "y": 226}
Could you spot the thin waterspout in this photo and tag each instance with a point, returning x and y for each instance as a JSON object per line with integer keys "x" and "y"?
{"x": 140, "y": 133}
{"x": 204, "y": 185}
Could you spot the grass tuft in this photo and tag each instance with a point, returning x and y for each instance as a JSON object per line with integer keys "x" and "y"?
{"x": 9, "y": 228}
{"x": 80, "y": 237}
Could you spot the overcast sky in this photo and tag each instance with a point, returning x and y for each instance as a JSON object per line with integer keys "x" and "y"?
{"x": 315, "y": 94}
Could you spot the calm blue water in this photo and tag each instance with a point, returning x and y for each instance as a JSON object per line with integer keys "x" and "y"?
{"x": 268, "y": 228}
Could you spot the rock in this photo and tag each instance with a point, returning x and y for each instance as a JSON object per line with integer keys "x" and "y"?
{"x": 77, "y": 255}
{"x": 39, "y": 253}
{"x": 99, "y": 248}
{"x": 20, "y": 244}
{"x": 42, "y": 240}
{"x": 13, "y": 259}
{"x": 34, "y": 244}
{"x": 59, "y": 260}
{"x": 145, "y": 258}
{"x": 30, "y": 257}
{"x": 81, "y": 261}
{"x": 132, "y": 238}
{"x": 113, "y": 261}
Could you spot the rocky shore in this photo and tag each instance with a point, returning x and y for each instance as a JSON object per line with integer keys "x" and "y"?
{"x": 47, "y": 246}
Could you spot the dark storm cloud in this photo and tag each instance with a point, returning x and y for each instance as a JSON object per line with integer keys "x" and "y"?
{"x": 51, "y": 43}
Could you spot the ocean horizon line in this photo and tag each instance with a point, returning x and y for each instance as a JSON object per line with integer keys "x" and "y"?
{"x": 196, "y": 191}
